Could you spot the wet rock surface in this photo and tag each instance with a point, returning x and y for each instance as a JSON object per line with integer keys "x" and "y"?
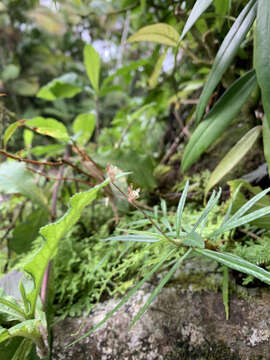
{"x": 180, "y": 324}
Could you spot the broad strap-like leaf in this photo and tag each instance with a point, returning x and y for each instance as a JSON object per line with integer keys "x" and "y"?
{"x": 197, "y": 10}
{"x": 219, "y": 118}
{"x": 92, "y": 64}
{"x": 160, "y": 33}
{"x": 237, "y": 263}
{"x": 226, "y": 53}
{"x": 262, "y": 51}
{"x": 232, "y": 158}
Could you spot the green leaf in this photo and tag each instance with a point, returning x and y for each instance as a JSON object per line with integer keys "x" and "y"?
{"x": 65, "y": 86}
{"x": 153, "y": 80}
{"x": 262, "y": 51}
{"x": 85, "y": 125}
{"x": 10, "y": 72}
{"x": 232, "y": 158}
{"x": 197, "y": 10}
{"x": 27, "y": 231}
{"x": 15, "y": 178}
{"x": 237, "y": 263}
{"x": 180, "y": 210}
{"x": 10, "y": 131}
{"x": 219, "y": 118}
{"x": 125, "y": 299}
{"x": 92, "y": 65}
{"x": 160, "y": 287}
{"x": 49, "y": 127}
{"x": 10, "y": 309}
{"x": 193, "y": 239}
{"x": 28, "y": 329}
{"x": 222, "y": 8}
{"x": 134, "y": 238}
{"x": 266, "y": 142}
{"x": 52, "y": 233}
{"x": 160, "y": 33}
{"x": 226, "y": 53}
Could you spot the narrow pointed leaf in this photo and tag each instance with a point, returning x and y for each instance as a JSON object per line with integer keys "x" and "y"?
{"x": 180, "y": 210}
{"x": 226, "y": 53}
{"x": 232, "y": 158}
{"x": 219, "y": 118}
{"x": 92, "y": 64}
{"x": 153, "y": 80}
{"x": 125, "y": 299}
{"x": 160, "y": 287}
{"x": 193, "y": 239}
{"x": 237, "y": 263}
{"x": 197, "y": 10}
{"x": 266, "y": 142}
{"x": 134, "y": 238}
{"x": 159, "y": 33}
{"x": 262, "y": 51}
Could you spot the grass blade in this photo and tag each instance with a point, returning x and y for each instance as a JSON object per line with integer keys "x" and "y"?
{"x": 226, "y": 53}
{"x": 237, "y": 263}
{"x": 197, "y": 10}
{"x": 180, "y": 209}
{"x": 160, "y": 287}
{"x": 219, "y": 118}
{"x": 125, "y": 299}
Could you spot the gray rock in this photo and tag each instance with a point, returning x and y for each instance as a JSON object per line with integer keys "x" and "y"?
{"x": 180, "y": 324}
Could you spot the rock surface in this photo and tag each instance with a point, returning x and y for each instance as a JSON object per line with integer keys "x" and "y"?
{"x": 180, "y": 324}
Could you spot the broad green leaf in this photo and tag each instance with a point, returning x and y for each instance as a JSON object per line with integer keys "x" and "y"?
{"x": 160, "y": 287}
{"x": 10, "y": 309}
{"x": 140, "y": 166}
{"x": 65, "y": 86}
{"x": 52, "y": 233}
{"x": 219, "y": 118}
{"x": 27, "y": 328}
{"x": 26, "y": 231}
{"x": 125, "y": 299}
{"x": 10, "y": 131}
{"x": 153, "y": 80}
{"x": 266, "y": 142}
{"x": 160, "y": 33}
{"x": 180, "y": 210}
{"x": 197, "y": 10}
{"x": 49, "y": 127}
{"x": 92, "y": 65}
{"x": 48, "y": 150}
{"x": 85, "y": 125}
{"x": 232, "y": 158}
{"x": 15, "y": 178}
{"x": 10, "y": 72}
{"x": 9, "y": 347}
{"x": 226, "y": 53}
{"x": 237, "y": 263}
{"x": 262, "y": 51}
